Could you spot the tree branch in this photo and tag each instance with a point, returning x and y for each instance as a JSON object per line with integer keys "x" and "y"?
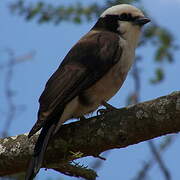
{"x": 116, "y": 129}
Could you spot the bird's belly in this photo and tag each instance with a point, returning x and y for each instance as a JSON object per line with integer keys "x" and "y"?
{"x": 89, "y": 100}
{"x": 101, "y": 91}
{"x": 106, "y": 87}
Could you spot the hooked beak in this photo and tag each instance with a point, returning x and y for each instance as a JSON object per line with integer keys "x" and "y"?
{"x": 141, "y": 21}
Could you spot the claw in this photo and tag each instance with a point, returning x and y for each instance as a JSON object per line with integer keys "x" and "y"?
{"x": 82, "y": 118}
{"x": 101, "y": 112}
{"x": 108, "y": 108}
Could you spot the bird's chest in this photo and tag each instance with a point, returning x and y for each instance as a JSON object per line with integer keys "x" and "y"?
{"x": 126, "y": 60}
{"x": 109, "y": 84}
{"x": 112, "y": 81}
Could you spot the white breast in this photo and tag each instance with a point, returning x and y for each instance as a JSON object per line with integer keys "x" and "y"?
{"x": 127, "y": 57}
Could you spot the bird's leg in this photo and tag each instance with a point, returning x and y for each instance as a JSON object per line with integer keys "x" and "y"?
{"x": 108, "y": 108}
{"x": 82, "y": 118}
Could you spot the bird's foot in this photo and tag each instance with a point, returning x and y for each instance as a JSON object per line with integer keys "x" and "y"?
{"x": 82, "y": 118}
{"x": 108, "y": 108}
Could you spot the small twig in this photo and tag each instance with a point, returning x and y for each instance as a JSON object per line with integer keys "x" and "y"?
{"x": 9, "y": 93}
{"x": 141, "y": 175}
{"x": 137, "y": 82}
{"x": 77, "y": 171}
{"x": 100, "y": 157}
{"x": 159, "y": 160}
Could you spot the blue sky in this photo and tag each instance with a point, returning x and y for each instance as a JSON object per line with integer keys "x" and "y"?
{"x": 51, "y": 43}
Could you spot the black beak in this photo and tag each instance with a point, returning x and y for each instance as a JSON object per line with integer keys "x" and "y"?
{"x": 141, "y": 21}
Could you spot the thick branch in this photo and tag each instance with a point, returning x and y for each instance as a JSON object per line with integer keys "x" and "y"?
{"x": 90, "y": 137}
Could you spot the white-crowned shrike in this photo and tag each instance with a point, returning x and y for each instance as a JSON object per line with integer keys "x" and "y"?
{"x": 90, "y": 74}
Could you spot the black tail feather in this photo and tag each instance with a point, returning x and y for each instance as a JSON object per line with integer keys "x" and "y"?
{"x": 39, "y": 150}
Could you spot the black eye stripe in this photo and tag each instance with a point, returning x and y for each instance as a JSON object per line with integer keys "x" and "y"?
{"x": 122, "y": 17}
{"x": 127, "y": 17}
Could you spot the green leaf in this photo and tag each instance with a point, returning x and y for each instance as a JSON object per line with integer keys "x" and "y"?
{"x": 159, "y": 76}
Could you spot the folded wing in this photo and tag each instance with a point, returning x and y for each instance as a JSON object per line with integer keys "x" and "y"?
{"x": 85, "y": 64}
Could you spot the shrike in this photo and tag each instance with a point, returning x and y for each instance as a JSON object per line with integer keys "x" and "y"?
{"x": 90, "y": 74}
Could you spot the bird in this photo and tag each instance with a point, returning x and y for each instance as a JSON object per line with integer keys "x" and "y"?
{"x": 90, "y": 74}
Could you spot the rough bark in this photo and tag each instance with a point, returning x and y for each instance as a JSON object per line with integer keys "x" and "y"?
{"x": 115, "y": 129}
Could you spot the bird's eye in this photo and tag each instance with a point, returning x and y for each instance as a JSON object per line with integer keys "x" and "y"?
{"x": 126, "y": 17}
{"x": 123, "y": 16}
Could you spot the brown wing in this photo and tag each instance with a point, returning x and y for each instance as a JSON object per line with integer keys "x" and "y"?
{"x": 85, "y": 63}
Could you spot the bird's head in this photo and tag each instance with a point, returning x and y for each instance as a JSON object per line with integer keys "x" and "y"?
{"x": 124, "y": 19}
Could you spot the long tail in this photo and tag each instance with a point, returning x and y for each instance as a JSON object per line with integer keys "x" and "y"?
{"x": 39, "y": 150}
